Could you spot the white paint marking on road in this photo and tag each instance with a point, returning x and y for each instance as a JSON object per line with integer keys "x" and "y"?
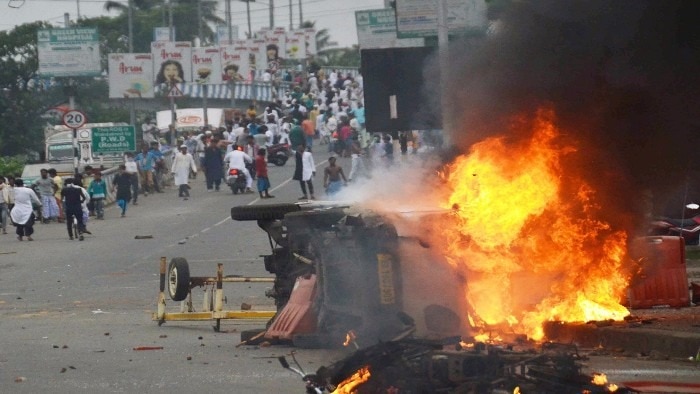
{"x": 206, "y": 229}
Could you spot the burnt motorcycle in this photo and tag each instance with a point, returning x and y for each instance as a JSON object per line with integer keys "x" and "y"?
{"x": 688, "y": 228}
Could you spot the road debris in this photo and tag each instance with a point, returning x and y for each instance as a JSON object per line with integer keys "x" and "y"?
{"x": 143, "y": 237}
{"x": 148, "y": 348}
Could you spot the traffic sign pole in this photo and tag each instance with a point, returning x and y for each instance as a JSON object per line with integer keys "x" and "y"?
{"x": 74, "y": 120}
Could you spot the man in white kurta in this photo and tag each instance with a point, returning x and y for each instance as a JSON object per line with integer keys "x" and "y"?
{"x": 183, "y": 164}
{"x": 22, "y": 214}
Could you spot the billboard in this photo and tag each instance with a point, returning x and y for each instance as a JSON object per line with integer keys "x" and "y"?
{"x": 310, "y": 37}
{"x": 391, "y": 103}
{"x": 130, "y": 75}
{"x": 171, "y": 62}
{"x": 377, "y": 29}
{"x": 418, "y": 18}
{"x": 275, "y": 48}
{"x": 72, "y": 52}
{"x": 206, "y": 65}
{"x": 234, "y": 61}
{"x": 256, "y": 54}
{"x": 296, "y": 45}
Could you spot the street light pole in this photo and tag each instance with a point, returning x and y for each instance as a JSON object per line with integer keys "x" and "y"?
{"x": 171, "y": 36}
{"x": 247, "y": 8}
{"x": 132, "y": 107}
{"x": 291, "y": 16}
{"x": 272, "y": 14}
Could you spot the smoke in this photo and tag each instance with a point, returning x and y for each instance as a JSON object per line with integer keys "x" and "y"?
{"x": 622, "y": 77}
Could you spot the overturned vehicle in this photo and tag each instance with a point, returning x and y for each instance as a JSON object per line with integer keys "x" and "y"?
{"x": 337, "y": 274}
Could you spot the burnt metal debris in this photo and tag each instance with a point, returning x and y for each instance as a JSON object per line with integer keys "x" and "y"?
{"x": 428, "y": 366}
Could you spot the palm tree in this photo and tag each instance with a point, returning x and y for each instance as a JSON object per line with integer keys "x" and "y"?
{"x": 323, "y": 38}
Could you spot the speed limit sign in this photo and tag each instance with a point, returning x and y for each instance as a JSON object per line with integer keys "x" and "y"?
{"x": 74, "y": 119}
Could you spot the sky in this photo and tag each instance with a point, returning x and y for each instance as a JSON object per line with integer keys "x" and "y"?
{"x": 338, "y": 16}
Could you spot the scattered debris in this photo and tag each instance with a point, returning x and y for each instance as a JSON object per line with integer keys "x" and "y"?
{"x": 189, "y": 358}
{"x": 163, "y": 336}
{"x": 449, "y": 367}
{"x": 148, "y": 348}
{"x": 182, "y": 241}
{"x": 63, "y": 370}
{"x": 20, "y": 379}
{"x": 246, "y": 307}
{"x": 143, "y": 237}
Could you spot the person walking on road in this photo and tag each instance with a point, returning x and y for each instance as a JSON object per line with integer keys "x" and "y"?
{"x": 58, "y": 181}
{"x": 47, "y": 188}
{"x": 183, "y": 164}
{"x": 263, "y": 180}
{"x": 22, "y": 214}
{"x": 305, "y": 170}
{"x": 122, "y": 183}
{"x": 74, "y": 197}
{"x": 331, "y": 178}
{"x": 98, "y": 192}
{"x": 213, "y": 165}
{"x": 4, "y": 202}
{"x": 146, "y": 163}
{"x": 132, "y": 170}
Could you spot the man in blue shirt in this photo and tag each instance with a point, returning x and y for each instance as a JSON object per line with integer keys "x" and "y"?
{"x": 158, "y": 166}
{"x": 146, "y": 164}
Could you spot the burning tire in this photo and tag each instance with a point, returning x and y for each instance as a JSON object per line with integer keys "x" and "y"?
{"x": 178, "y": 279}
{"x": 262, "y": 212}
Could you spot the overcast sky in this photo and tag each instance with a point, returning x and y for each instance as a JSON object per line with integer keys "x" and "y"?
{"x": 338, "y": 16}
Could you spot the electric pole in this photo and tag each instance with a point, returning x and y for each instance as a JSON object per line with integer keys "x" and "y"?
{"x": 247, "y": 8}
{"x": 291, "y": 16}
{"x": 301, "y": 16}
{"x": 272, "y": 14}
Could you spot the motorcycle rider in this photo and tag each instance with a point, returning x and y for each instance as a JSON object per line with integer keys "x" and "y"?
{"x": 238, "y": 159}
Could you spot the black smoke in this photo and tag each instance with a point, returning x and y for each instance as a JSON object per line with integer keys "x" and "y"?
{"x": 623, "y": 78}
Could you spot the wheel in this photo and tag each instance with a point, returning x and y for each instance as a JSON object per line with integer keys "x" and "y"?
{"x": 178, "y": 279}
{"x": 262, "y": 212}
{"x": 279, "y": 161}
{"x": 234, "y": 190}
{"x": 314, "y": 219}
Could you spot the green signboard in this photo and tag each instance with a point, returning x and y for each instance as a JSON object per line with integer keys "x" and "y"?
{"x": 114, "y": 139}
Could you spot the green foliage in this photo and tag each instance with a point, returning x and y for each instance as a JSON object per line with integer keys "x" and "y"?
{"x": 12, "y": 166}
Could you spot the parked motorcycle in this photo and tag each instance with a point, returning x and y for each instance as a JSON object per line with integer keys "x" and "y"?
{"x": 689, "y": 229}
{"x": 236, "y": 180}
{"x": 278, "y": 154}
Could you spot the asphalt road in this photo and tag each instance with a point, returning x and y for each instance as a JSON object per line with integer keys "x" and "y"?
{"x": 71, "y": 312}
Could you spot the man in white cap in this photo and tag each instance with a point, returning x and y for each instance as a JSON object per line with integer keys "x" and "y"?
{"x": 183, "y": 164}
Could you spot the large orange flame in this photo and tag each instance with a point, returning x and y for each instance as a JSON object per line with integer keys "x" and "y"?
{"x": 527, "y": 234}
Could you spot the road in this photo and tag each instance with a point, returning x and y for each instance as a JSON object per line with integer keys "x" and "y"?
{"x": 71, "y": 312}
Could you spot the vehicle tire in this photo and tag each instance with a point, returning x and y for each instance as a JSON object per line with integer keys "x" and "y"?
{"x": 262, "y": 212}
{"x": 314, "y": 219}
{"x": 279, "y": 161}
{"x": 178, "y": 279}
{"x": 234, "y": 190}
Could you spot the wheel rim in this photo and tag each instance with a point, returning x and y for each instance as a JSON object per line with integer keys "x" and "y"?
{"x": 172, "y": 281}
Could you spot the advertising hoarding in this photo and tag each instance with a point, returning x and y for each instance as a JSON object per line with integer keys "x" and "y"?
{"x": 130, "y": 75}
{"x": 418, "y": 18}
{"x": 72, "y": 52}
{"x": 234, "y": 61}
{"x": 206, "y": 65}
{"x": 377, "y": 29}
{"x": 171, "y": 62}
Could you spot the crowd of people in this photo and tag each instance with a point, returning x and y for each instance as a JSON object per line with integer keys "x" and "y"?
{"x": 321, "y": 113}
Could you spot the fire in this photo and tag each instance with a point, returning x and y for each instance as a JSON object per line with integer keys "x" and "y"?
{"x": 349, "y": 338}
{"x": 349, "y": 385}
{"x": 599, "y": 379}
{"x": 527, "y": 236}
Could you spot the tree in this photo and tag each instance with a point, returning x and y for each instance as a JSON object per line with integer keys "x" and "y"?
{"x": 149, "y": 13}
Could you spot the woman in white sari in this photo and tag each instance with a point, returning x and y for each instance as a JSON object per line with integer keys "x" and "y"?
{"x": 22, "y": 213}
